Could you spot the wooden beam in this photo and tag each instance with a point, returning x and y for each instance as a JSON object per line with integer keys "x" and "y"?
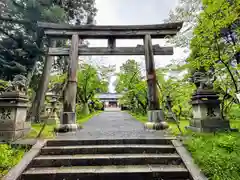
{"x": 105, "y": 32}
{"x": 112, "y": 43}
{"x": 45, "y": 25}
{"x": 129, "y": 34}
{"x": 100, "y": 51}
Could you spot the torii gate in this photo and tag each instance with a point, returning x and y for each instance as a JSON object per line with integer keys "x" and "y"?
{"x": 111, "y": 33}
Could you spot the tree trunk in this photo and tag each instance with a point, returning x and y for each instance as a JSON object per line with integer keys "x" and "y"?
{"x": 85, "y": 109}
{"x": 42, "y": 87}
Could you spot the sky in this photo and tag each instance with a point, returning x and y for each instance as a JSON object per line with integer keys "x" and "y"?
{"x": 133, "y": 12}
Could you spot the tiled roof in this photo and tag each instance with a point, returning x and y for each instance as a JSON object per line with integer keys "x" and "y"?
{"x": 109, "y": 96}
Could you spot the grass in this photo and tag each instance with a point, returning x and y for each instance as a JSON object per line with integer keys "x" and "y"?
{"x": 82, "y": 119}
{"x": 174, "y": 129}
{"x": 217, "y": 154}
{"x": 140, "y": 117}
{"x": 172, "y": 126}
{"x": 9, "y": 157}
{"x": 48, "y": 132}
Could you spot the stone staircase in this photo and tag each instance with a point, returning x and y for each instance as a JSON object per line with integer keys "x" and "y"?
{"x": 128, "y": 159}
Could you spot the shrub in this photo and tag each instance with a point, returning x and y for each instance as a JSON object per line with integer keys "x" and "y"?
{"x": 98, "y": 105}
{"x": 9, "y": 157}
{"x": 234, "y": 112}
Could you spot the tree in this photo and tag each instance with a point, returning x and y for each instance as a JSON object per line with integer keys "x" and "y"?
{"x": 90, "y": 82}
{"x": 215, "y": 44}
{"x": 129, "y": 81}
{"x": 186, "y": 11}
{"x": 130, "y": 74}
{"x": 134, "y": 87}
{"x": 177, "y": 88}
{"x": 24, "y": 41}
{"x": 19, "y": 41}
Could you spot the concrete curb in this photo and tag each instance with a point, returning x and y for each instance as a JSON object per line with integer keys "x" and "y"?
{"x": 193, "y": 169}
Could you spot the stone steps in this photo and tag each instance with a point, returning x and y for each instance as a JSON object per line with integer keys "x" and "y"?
{"x": 136, "y": 172}
{"x": 73, "y": 142}
{"x": 98, "y": 160}
{"x": 107, "y": 149}
{"x": 135, "y": 159}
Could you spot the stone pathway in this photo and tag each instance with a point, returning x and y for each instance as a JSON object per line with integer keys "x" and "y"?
{"x": 112, "y": 125}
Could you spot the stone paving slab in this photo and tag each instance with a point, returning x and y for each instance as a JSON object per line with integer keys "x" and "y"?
{"x": 112, "y": 125}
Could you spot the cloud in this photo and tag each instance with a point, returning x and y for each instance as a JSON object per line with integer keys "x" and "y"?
{"x": 106, "y": 14}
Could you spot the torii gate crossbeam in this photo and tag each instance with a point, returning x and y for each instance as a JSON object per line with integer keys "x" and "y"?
{"x": 111, "y": 33}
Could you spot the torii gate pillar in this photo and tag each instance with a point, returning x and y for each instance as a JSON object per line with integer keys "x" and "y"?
{"x": 155, "y": 114}
{"x": 68, "y": 117}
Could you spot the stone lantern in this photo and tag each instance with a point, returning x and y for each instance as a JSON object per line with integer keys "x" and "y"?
{"x": 53, "y": 116}
{"x": 206, "y": 106}
{"x": 13, "y": 111}
{"x": 170, "y": 117}
{"x": 44, "y": 113}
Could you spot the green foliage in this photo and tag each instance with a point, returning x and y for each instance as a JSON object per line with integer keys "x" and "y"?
{"x": 9, "y": 157}
{"x": 95, "y": 105}
{"x": 3, "y": 85}
{"x": 179, "y": 90}
{"x": 78, "y": 110}
{"x": 130, "y": 83}
{"x": 129, "y": 76}
{"x": 207, "y": 45}
{"x": 173, "y": 129}
{"x": 19, "y": 45}
{"x": 185, "y": 11}
{"x": 234, "y": 112}
{"x": 217, "y": 155}
{"x": 215, "y": 45}
{"x": 89, "y": 83}
{"x": 54, "y": 14}
{"x": 84, "y": 118}
{"x": 48, "y": 132}
{"x": 56, "y": 82}
{"x": 181, "y": 94}
{"x": 98, "y": 105}
{"x": 216, "y": 42}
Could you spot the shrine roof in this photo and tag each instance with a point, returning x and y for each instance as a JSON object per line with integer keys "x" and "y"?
{"x": 109, "y": 95}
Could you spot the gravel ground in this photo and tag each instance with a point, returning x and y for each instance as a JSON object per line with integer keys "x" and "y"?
{"x": 112, "y": 125}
